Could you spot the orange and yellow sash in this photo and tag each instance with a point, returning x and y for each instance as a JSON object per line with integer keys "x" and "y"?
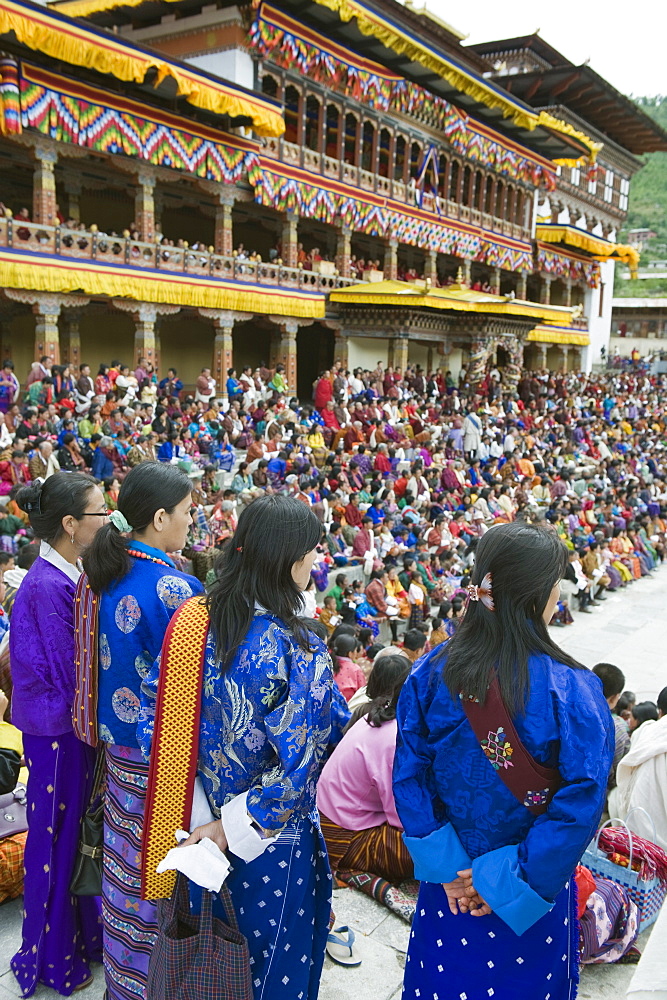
{"x": 175, "y": 746}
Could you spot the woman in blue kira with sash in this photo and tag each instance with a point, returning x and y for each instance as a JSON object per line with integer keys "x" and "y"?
{"x": 504, "y": 748}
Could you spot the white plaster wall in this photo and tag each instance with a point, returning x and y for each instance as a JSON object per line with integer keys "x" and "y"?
{"x": 599, "y": 327}
{"x": 365, "y": 352}
{"x": 645, "y": 345}
{"x": 418, "y": 354}
{"x": 453, "y": 362}
{"x": 232, "y": 64}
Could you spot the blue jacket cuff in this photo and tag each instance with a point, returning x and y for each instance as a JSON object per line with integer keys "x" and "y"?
{"x": 497, "y": 878}
{"x": 439, "y": 856}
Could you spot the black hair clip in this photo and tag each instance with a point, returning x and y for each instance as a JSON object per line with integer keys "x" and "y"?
{"x": 35, "y": 506}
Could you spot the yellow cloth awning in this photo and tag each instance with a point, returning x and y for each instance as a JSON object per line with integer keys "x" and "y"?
{"x": 55, "y": 35}
{"x": 82, "y": 8}
{"x": 53, "y": 274}
{"x": 420, "y": 295}
{"x": 545, "y": 334}
{"x": 597, "y": 247}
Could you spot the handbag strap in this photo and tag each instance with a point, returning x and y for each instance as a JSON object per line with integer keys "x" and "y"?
{"x": 533, "y": 784}
{"x": 175, "y": 745}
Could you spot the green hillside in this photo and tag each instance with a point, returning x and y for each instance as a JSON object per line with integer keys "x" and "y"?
{"x": 648, "y": 188}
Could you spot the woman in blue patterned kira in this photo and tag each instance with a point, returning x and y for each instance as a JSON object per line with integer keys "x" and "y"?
{"x": 139, "y": 589}
{"x": 266, "y": 723}
{"x": 494, "y": 850}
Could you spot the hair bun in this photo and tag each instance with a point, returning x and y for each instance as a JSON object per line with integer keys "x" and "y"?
{"x": 29, "y": 497}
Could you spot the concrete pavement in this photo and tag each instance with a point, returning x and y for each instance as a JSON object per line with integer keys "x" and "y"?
{"x": 628, "y": 629}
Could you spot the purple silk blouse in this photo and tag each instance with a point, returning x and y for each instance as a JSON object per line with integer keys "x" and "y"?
{"x": 41, "y": 649}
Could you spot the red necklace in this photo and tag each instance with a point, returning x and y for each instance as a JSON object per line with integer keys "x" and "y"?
{"x": 144, "y": 555}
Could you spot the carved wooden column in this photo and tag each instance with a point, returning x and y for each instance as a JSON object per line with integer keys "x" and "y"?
{"x": 70, "y": 350}
{"x": 47, "y": 334}
{"x": 545, "y": 289}
{"x": 398, "y": 351}
{"x": 341, "y": 347}
{"x": 391, "y": 261}
{"x": 522, "y": 286}
{"x": 290, "y": 237}
{"x": 223, "y": 355}
{"x": 224, "y": 233}
{"x": 459, "y": 184}
{"x": 391, "y": 158}
{"x": 144, "y": 206}
{"x": 223, "y": 343}
{"x": 568, "y": 291}
{"x": 145, "y": 345}
{"x": 431, "y": 266}
{"x": 44, "y": 186}
{"x": 287, "y": 353}
{"x": 301, "y": 121}
{"x": 495, "y": 280}
{"x": 145, "y": 316}
{"x": 343, "y": 251}
{"x": 565, "y": 351}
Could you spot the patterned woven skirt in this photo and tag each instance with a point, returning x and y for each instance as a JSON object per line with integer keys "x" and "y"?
{"x": 379, "y": 850}
{"x": 376, "y": 862}
{"x": 130, "y": 927}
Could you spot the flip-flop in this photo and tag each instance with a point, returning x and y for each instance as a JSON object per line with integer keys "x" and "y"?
{"x": 339, "y": 949}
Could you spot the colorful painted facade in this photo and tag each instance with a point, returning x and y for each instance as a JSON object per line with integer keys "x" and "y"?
{"x": 252, "y": 183}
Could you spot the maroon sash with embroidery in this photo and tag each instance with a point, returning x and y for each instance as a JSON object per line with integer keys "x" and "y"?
{"x": 533, "y": 784}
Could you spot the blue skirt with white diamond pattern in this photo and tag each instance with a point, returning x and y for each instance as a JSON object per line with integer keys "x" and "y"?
{"x": 479, "y": 958}
{"x": 282, "y": 902}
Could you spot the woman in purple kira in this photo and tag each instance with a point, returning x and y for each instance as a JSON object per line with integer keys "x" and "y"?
{"x": 62, "y": 933}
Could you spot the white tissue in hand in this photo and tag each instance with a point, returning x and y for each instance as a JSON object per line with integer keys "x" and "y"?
{"x": 203, "y": 863}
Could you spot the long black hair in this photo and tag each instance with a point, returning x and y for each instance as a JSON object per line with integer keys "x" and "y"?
{"x": 147, "y": 488}
{"x": 525, "y": 562}
{"x": 342, "y": 645}
{"x": 273, "y": 533}
{"x": 48, "y": 501}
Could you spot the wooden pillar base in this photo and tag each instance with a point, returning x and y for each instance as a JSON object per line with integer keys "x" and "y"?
{"x": 223, "y": 347}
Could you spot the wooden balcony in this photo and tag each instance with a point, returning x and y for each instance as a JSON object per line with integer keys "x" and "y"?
{"x": 349, "y": 173}
{"x": 123, "y": 251}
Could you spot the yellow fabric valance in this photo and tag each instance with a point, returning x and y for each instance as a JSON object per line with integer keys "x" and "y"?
{"x": 419, "y": 295}
{"x": 545, "y": 334}
{"x": 564, "y": 128}
{"x": 599, "y": 248}
{"x": 82, "y": 8}
{"x": 51, "y": 274}
{"x": 59, "y": 37}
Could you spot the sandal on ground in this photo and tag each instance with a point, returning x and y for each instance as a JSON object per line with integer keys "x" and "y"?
{"x": 339, "y": 949}
{"x": 83, "y": 986}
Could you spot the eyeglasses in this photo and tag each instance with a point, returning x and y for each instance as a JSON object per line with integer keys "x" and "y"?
{"x": 95, "y": 513}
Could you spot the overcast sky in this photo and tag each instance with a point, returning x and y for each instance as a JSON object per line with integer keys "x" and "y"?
{"x": 623, "y": 41}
